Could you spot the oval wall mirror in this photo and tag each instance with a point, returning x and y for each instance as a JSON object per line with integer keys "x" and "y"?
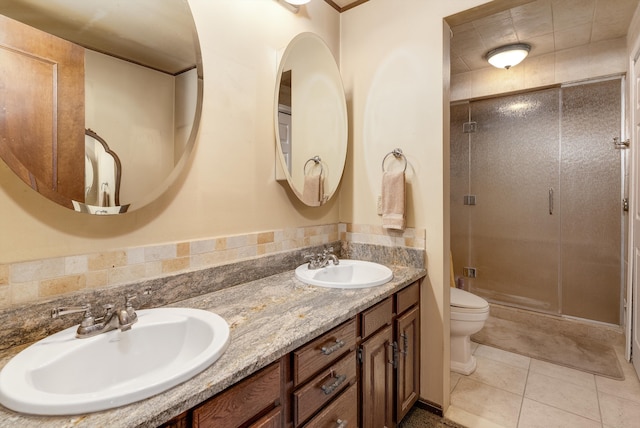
{"x": 310, "y": 119}
{"x": 129, "y": 71}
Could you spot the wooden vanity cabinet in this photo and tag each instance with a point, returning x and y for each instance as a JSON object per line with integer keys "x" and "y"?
{"x": 390, "y": 359}
{"x": 322, "y": 370}
{"x": 376, "y": 359}
{"x": 363, "y": 373}
{"x": 407, "y": 336}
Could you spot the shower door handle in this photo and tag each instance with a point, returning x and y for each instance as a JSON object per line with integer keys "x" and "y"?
{"x": 550, "y": 200}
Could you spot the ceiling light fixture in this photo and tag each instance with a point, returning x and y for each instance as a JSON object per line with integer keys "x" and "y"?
{"x": 297, "y": 2}
{"x": 509, "y": 55}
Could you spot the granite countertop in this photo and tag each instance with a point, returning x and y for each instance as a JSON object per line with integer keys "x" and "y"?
{"x": 268, "y": 318}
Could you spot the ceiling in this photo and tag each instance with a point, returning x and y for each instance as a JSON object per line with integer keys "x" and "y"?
{"x": 547, "y": 25}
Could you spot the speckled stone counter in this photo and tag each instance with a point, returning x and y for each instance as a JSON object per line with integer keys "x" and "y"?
{"x": 269, "y": 318}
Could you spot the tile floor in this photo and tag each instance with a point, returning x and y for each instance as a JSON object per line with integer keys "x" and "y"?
{"x": 508, "y": 390}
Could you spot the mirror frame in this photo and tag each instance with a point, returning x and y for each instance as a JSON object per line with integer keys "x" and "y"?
{"x": 335, "y": 171}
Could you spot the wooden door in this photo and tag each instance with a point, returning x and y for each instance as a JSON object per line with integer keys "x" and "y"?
{"x": 408, "y": 374}
{"x": 42, "y": 110}
{"x": 377, "y": 380}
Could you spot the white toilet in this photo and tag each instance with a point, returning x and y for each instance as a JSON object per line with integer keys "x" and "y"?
{"x": 468, "y": 314}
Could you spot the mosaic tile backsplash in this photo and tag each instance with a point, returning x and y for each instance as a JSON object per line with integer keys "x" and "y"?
{"x": 35, "y": 280}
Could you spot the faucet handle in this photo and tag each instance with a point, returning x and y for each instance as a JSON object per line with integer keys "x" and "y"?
{"x": 87, "y": 318}
{"x": 127, "y": 300}
{"x": 58, "y": 312}
{"x": 108, "y": 309}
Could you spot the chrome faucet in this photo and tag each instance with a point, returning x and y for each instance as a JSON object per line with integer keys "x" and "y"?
{"x": 321, "y": 260}
{"x": 90, "y": 326}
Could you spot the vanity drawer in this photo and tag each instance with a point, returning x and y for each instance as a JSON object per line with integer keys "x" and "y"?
{"x": 344, "y": 410}
{"x": 323, "y": 351}
{"x": 407, "y": 297}
{"x": 375, "y": 318}
{"x": 242, "y": 402}
{"x": 323, "y": 388}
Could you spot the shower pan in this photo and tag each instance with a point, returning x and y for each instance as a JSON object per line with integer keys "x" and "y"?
{"x": 536, "y": 199}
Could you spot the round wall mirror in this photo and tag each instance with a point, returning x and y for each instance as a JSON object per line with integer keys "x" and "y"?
{"x": 129, "y": 71}
{"x": 310, "y": 119}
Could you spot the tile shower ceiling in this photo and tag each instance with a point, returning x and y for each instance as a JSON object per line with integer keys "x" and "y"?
{"x": 547, "y": 25}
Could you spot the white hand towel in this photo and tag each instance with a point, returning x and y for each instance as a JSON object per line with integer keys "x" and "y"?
{"x": 393, "y": 200}
{"x": 313, "y": 190}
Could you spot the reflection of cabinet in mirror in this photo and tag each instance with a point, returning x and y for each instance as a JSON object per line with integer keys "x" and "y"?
{"x": 42, "y": 117}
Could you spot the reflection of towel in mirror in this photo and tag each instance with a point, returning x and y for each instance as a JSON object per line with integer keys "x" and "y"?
{"x": 313, "y": 191}
{"x": 393, "y": 200}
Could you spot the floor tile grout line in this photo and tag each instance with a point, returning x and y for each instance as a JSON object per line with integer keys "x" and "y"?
{"x": 524, "y": 393}
{"x": 595, "y": 382}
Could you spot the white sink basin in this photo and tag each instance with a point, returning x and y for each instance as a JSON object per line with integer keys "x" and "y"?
{"x": 346, "y": 274}
{"x": 63, "y": 375}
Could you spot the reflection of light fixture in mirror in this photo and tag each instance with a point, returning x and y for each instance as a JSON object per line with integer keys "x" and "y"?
{"x": 509, "y": 55}
{"x": 293, "y": 5}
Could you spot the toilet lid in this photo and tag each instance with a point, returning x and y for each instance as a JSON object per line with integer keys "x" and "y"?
{"x": 464, "y": 299}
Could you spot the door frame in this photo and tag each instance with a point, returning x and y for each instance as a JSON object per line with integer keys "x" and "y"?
{"x": 631, "y": 316}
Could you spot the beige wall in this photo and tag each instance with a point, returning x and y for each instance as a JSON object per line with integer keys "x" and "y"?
{"x": 392, "y": 65}
{"x": 228, "y": 186}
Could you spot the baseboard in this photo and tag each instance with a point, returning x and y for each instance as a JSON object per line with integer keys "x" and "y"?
{"x": 430, "y": 407}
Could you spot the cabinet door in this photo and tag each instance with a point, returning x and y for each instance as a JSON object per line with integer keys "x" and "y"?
{"x": 377, "y": 380}
{"x": 408, "y": 376}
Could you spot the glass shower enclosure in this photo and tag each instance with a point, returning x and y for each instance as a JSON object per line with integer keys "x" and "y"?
{"x": 536, "y": 199}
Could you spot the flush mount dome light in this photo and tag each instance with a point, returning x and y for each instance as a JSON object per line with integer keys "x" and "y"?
{"x": 509, "y": 55}
{"x": 297, "y": 2}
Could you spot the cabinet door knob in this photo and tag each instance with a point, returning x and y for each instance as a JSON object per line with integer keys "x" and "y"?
{"x": 341, "y": 424}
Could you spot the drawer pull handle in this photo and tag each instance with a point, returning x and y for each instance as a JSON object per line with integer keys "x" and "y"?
{"x": 328, "y": 350}
{"x": 341, "y": 424}
{"x": 328, "y": 389}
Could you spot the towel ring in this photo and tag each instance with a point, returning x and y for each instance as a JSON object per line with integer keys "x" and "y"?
{"x": 316, "y": 160}
{"x": 397, "y": 153}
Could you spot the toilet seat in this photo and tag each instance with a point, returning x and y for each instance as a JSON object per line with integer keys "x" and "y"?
{"x": 464, "y": 301}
